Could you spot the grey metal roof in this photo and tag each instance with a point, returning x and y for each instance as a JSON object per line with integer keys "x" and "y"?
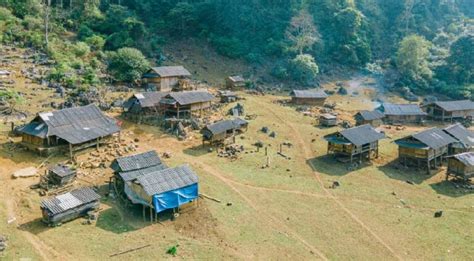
{"x": 370, "y": 115}
{"x": 456, "y": 105}
{"x": 225, "y": 125}
{"x": 147, "y": 99}
{"x": 361, "y": 135}
{"x": 75, "y": 125}
{"x": 137, "y": 161}
{"x": 189, "y": 97}
{"x": 434, "y": 138}
{"x": 170, "y": 71}
{"x": 70, "y": 200}
{"x": 167, "y": 180}
{"x": 460, "y": 133}
{"x": 401, "y": 109}
{"x": 466, "y": 158}
{"x": 328, "y": 116}
{"x": 236, "y": 78}
{"x": 134, "y": 174}
{"x": 62, "y": 170}
{"x": 318, "y": 93}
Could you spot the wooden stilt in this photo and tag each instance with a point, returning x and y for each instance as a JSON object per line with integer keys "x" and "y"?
{"x": 151, "y": 215}
{"x": 70, "y": 151}
{"x": 97, "y": 143}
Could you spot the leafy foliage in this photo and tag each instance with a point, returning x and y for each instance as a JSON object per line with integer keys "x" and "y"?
{"x": 127, "y": 64}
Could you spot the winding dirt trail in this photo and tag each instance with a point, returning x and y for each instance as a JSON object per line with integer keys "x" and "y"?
{"x": 308, "y": 155}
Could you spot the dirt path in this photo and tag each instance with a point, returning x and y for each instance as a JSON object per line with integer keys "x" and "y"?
{"x": 308, "y": 155}
{"x": 271, "y": 221}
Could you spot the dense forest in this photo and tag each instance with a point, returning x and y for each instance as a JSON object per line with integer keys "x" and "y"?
{"x": 422, "y": 46}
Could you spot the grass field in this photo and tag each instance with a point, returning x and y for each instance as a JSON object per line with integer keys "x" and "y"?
{"x": 281, "y": 212}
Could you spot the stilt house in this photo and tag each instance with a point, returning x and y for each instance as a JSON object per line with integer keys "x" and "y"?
{"x": 129, "y": 168}
{"x": 402, "y": 113}
{"x": 74, "y": 128}
{"x": 308, "y": 97}
{"x": 69, "y": 206}
{"x": 165, "y": 78}
{"x": 221, "y": 130}
{"x": 464, "y": 137}
{"x": 355, "y": 143}
{"x": 374, "y": 118}
{"x": 186, "y": 104}
{"x": 461, "y": 166}
{"x": 425, "y": 149}
{"x": 146, "y": 103}
{"x": 450, "y": 110}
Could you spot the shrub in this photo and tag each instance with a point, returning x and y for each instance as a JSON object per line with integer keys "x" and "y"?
{"x": 127, "y": 64}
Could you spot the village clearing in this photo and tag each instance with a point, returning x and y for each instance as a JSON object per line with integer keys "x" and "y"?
{"x": 287, "y": 210}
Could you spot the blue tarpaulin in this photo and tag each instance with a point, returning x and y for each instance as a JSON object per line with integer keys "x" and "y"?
{"x": 175, "y": 198}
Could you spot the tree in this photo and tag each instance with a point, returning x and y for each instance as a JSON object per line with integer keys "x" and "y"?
{"x": 303, "y": 68}
{"x": 301, "y": 32}
{"x": 412, "y": 59}
{"x": 460, "y": 62}
{"x": 127, "y": 64}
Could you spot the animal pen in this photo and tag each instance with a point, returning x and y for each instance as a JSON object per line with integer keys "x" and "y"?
{"x": 461, "y": 166}
{"x": 360, "y": 143}
{"x": 427, "y": 148}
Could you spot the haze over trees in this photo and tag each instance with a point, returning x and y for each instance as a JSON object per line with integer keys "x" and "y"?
{"x": 424, "y": 45}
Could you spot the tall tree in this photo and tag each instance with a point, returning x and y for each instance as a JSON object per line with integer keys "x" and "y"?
{"x": 412, "y": 59}
{"x": 301, "y": 32}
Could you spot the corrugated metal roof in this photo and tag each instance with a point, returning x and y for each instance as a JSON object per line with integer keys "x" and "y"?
{"x": 370, "y": 115}
{"x": 138, "y": 161}
{"x": 149, "y": 99}
{"x": 167, "y": 180}
{"x": 456, "y": 105}
{"x": 38, "y": 129}
{"x": 189, "y": 97}
{"x": 466, "y": 158}
{"x": 401, "y": 109}
{"x": 134, "y": 174}
{"x": 62, "y": 170}
{"x": 328, "y": 116}
{"x": 361, "y": 135}
{"x": 434, "y": 138}
{"x": 463, "y": 135}
{"x": 70, "y": 200}
{"x": 170, "y": 71}
{"x": 75, "y": 125}
{"x": 225, "y": 125}
{"x": 318, "y": 93}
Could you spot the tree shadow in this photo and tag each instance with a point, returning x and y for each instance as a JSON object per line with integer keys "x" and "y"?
{"x": 328, "y": 164}
{"x": 452, "y": 188}
{"x": 395, "y": 170}
{"x": 199, "y": 150}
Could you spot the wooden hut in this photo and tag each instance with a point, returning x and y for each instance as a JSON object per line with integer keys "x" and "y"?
{"x": 464, "y": 137}
{"x": 59, "y": 175}
{"x": 461, "y": 166}
{"x": 427, "y": 148}
{"x": 235, "y": 82}
{"x": 402, "y": 113}
{"x": 221, "y": 130}
{"x": 450, "y": 110}
{"x": 164, "y": 189}
{"x": 186, "y": 104}
{"x": 374, "y": 118}
{"x": 74, "y": 128}
{"x": 358, "y": 142}
{"x": 165, "y": 78}
{"x": 146, "y": 103}
{"x": 327, "y": 120}
{"x": 69, "y": 206}
{"x": 228, "y": 96}
{"x": 308, "y": 97}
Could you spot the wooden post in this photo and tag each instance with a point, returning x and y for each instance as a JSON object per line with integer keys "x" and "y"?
{"x": 143, "y": 213}
{"x": 97, "y": 144}
{"x": 268, "y": 161}
{"x": 266, "y": 151}
{"x": 177, "y": 112}
{"x": 151, "y": 215}
{"x": 70, "y": 151}
{"x": 120, "y": 136}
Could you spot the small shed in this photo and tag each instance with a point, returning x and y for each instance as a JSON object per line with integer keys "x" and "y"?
{"x": 374, "y": 118}
{"x": 308, "y": 97}
{"x": 235, "y": 82}
{"x": 427, "y": 148}
{"x": 228, "y": 96}
{"x": 165, "y": 189}
{"x": 464, "y": 137}
{"x": 402, "y": 113}
{"x": 461, "y": 166}
{"x": 130, "y": 167}
{"x": 74, "y": 128}
{"x": 59, "y": 175}
{"x": 146, "y": 103}
{"x": 69, "y": 206}
{"x": 186, "y": 104}
{"x": 450, "y": 110}
{"x": 327, "y": 120}
{"x": 221, "y": 130}
{"x": 360, "y": 141}
{"x": 165, "y": 78}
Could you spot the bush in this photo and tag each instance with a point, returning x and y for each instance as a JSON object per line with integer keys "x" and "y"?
{"x": 230, "y": 47}
{"x": 304, "y": 69}
{"x": 81, "y": 49}
{"x": 84, "y": 32}
{"x": 96, "y": 42}
{"x": 127, "y": 64}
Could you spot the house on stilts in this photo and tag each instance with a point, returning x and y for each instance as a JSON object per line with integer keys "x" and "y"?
{"x": 186, "y": 104}
{"x": 464, "y": 137}
{"x": 450, "y": 110}
{"x": 461, "y": 166}
{"x": 166, "y": 79}
{"x": 402, "y": 113}
{"x": 428, "y": 148}
{"x": 222, "y": 130}
{"x": 308, "y": 97}
{"x": 374, "y": 118}
{"x": 358, "y": 143}
{"x": 70, "y": 129}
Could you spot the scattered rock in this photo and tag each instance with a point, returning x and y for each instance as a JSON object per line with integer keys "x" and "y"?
{"x": 438, "y": 214}
{"x": 410, "y": 182}
{"x": 335, "y": 184}
{"x": 273, "y": 134}
{"x": 229, "y": 204}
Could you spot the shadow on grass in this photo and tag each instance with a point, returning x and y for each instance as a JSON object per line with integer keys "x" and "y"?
{"x": 35, "y": 226}
{"x": 328, "y": 164}
{"x": 451, "y": 188}
{"x": 395, "y": 170}
{"x": 199, "y": 150}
